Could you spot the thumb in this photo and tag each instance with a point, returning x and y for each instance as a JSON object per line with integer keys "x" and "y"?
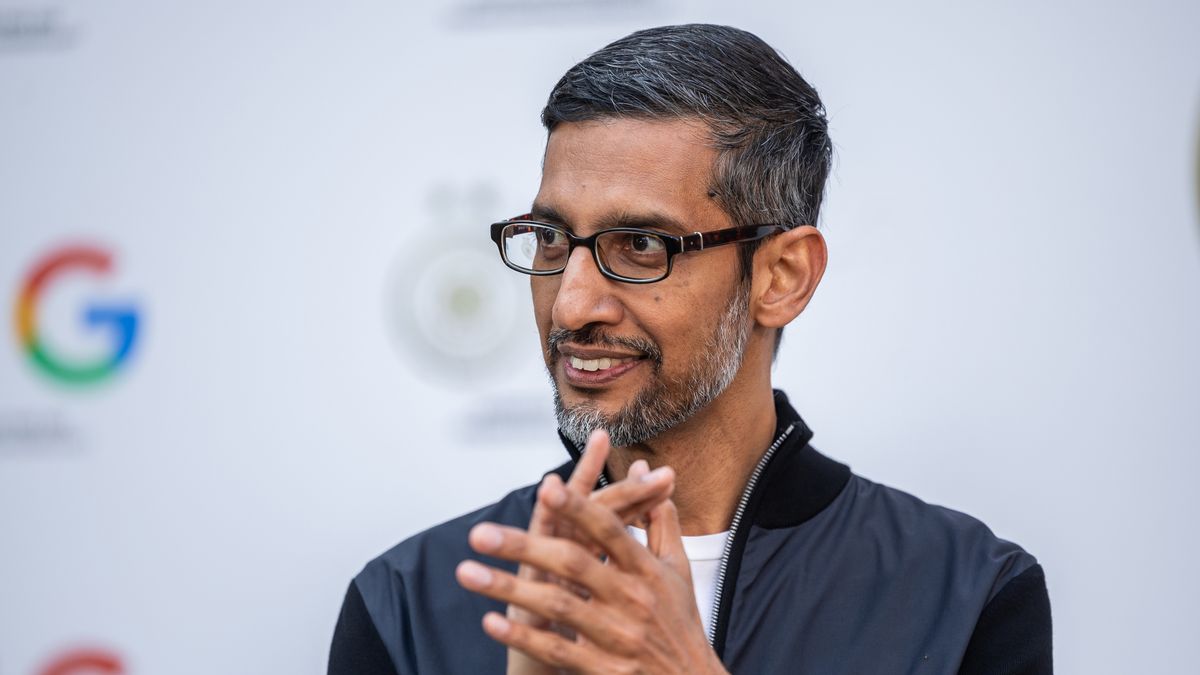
{"x": 665, "y": 539}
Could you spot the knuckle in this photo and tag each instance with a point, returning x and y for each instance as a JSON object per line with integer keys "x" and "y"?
{"x": 557, "y": 653}
{"x": 640, "y": 600}
{"x": 575, "y": 562}
{"x": 521, "y": 637}
{"x": 624, "y": 668}
{"x": 626, "y": 640}
{"x": 576, "y": 503}
{"x": 561, "y": 606}
{"x": 611, "y": 528}
{"x": 503, "y": 583}
{"x": 514, "y": 542}
{"x": 608, "y": 499}
{"x": 518, "y": 632}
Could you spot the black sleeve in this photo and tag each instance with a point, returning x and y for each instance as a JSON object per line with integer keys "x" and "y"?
{"x": 357, "y": 648}
{"x": 1012, "y": 636}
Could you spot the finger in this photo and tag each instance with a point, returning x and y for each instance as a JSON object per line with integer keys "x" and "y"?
{"x": 591, "y": 463}
{"x": 629, "y": 513}
{"x": 587, "y": 472}
{"x": 549, "y": 601}
{"x": 634, "y": 514}
{"x": 641, "y": 490}
{"x": 599, "y": 525}
{"x": 638, "y": 469}
{"x": 544, "y": 646}
{"x": 562, "y": 528}
{"x": 664, "y": 538}
{"x": 562, "y": 558}
{"x": 539, "y": 524}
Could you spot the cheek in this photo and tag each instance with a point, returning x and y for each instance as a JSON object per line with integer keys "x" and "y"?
{"x": 543, "y": 290}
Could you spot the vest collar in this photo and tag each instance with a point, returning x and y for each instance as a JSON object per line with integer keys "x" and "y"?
{"x": 797, "y": 484}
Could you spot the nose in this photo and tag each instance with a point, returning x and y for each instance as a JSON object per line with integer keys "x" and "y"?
{"x": 584, "y": 295}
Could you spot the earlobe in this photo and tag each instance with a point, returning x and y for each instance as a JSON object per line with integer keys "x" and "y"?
{"x": 787, "y": 270}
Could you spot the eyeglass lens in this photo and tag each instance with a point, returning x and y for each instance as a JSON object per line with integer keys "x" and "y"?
{"x": 633, "y": 255}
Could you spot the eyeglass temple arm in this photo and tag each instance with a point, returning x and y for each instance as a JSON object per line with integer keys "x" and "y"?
{"x": 698, "y": 241}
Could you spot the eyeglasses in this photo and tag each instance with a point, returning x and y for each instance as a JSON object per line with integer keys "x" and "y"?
{"x": 627, "y": 254}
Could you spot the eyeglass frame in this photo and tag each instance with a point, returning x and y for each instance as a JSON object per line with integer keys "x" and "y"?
{"x": 675, "y": 244}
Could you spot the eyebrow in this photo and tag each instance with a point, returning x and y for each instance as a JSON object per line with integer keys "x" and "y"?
{"x": 649, "y": 220}
{"x": 548, "y": 214}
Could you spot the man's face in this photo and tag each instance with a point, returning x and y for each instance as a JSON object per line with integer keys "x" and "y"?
{"x": 636, "y": 359}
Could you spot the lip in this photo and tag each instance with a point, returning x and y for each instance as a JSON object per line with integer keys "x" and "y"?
{"x": 588, "y": 353}
{"x": 589, "y": 379}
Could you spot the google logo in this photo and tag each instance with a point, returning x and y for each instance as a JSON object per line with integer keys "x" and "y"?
{"x": 90, "y": 661}
{"x": 120, "y": 320}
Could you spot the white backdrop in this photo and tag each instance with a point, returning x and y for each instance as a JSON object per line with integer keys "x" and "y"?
{"x": 328, "y": 358}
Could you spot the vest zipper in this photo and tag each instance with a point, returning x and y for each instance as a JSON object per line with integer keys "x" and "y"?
{"x": 733, "y": 526}
{"x": 733, "y": 530}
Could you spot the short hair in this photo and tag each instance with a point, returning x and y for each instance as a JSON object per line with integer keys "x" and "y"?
{"x": 767, "y": 123}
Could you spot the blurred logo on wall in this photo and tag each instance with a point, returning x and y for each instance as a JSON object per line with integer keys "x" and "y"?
{"x": 116, "y": 320}
{"x": 488, "y": 13}
{"x": 84, "y": 662}
{"x": 450, "y": 307}
{"x": 34, "y": 28}
{"x": 461, "y": 319}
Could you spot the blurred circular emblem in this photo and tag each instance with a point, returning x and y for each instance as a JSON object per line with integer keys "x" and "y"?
{"x": 451, "y": 305}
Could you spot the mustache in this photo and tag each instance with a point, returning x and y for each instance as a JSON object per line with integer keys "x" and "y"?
{"x": 592, "y": 334}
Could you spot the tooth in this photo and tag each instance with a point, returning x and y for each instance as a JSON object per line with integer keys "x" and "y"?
{"x": 605, "y": 364}
{"x": 591, "y": 365}
{"x": 576, "y": 363}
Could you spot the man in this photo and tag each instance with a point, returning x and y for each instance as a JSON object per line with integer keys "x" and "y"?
{"x": 671, "y": 240}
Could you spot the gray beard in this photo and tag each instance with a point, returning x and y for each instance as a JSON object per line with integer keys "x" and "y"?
{"x": 665, "y": 403}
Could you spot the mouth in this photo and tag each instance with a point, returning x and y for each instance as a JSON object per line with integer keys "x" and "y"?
{"x": 587, "y": 368}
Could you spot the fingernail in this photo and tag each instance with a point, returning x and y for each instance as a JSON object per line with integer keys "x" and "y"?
{"x": 495, "y": 623}
{"x": 474, "y": 574}
{"x": 486, "y": 537}
{"x": 656, "y": 475}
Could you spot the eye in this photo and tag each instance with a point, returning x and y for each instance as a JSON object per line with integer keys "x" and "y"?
{"x": 644, "y": 243}
{"x": 549, "y": 237}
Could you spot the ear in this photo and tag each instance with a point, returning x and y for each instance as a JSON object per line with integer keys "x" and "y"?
{"x": 787, "y": 269}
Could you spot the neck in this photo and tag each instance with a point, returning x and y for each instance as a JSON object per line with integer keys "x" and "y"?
{"x": 713, "y": 455}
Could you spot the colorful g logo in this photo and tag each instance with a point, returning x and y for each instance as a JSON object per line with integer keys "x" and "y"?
{"x": 120, "y": 320}
{"x": 85, "y": 661}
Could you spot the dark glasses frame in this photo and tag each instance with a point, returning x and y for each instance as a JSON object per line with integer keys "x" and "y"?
{"x": 674, "y": 244}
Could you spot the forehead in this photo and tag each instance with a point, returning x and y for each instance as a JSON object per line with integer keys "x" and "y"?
{"x": 599, "y": 171}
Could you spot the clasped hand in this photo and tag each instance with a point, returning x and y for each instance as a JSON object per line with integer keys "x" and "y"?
{"x": 587, "y": 596}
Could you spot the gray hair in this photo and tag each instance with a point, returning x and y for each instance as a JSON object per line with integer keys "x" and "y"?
{"x": 767, "y": 124}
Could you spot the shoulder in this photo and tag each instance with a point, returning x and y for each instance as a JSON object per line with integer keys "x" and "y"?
{"x": 920, "y": 533}
{"x": 448, "y": 540}
{"x": 817, "y": 505}
{"x": 405, "y": 612}
{"x": 1003, "y": 585}
{"x": 442, "y": 545}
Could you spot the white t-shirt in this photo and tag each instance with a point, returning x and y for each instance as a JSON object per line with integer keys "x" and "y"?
{"x": 704, "y": 557}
